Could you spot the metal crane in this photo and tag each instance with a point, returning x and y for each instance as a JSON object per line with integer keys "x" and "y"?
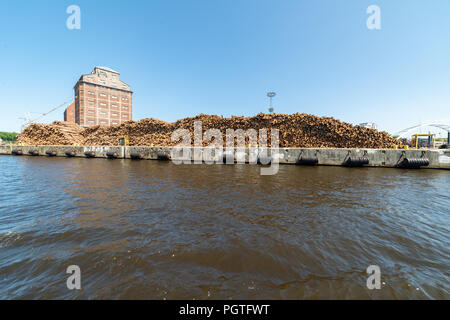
{"x": 27, "y": 118}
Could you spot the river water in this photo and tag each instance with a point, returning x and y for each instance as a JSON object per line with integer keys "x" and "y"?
{"x": 156, "y": 230}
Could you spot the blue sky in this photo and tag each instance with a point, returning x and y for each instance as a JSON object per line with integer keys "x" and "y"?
{"x": 182, "y": 58}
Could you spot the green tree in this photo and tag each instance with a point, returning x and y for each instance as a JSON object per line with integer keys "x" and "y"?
{"x": 8, "y": 136}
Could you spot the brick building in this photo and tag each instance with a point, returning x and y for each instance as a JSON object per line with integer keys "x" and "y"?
{"x": 69, "y": 113}
{"x": 101, "y": 98}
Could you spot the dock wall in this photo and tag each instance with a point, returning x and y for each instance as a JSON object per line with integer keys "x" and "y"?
{"x": 438, "y": 159}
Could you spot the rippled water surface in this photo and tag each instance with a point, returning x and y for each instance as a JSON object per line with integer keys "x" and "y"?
{"x": 155, "y": 230}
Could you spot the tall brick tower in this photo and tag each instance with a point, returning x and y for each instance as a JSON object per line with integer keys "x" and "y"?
{"x": 101, "y": 98}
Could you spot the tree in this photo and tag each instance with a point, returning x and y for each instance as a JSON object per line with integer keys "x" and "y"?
{"x": 8, "y": 136}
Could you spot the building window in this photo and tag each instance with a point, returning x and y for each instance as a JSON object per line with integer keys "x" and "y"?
{"x": 114, "y": 97}
{"x": 124, "y": 116}
{"x": 91, "y": 111}
{"x": 114, "y": 114}
{"x": 102, "y": 104}
{"x": 125, "y": 108}
{"x": 102, "y": 94}
{"x": 114, "y": 105}
{"x": 90, "y": 121}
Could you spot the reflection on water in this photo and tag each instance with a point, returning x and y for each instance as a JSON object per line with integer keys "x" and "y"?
{"x": 154, "y": 230}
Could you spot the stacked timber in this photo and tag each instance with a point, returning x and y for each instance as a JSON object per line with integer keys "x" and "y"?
{"x": 143, "y": 132}
{"x": 57, "y": 133}
{"x": 295, "y": 130}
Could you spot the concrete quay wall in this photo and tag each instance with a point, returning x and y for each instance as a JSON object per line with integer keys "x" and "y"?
{"x": 438, "y": 159}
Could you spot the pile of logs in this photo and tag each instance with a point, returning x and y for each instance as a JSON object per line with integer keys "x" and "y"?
{"x": 143, "y": 132}
{"x": 57, "y": 133}
{"x": 296, "y": 130}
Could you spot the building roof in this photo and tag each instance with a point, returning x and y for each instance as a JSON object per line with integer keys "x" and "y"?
{"x": 106, "y": 68}
{"x": 109, "y": 84}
